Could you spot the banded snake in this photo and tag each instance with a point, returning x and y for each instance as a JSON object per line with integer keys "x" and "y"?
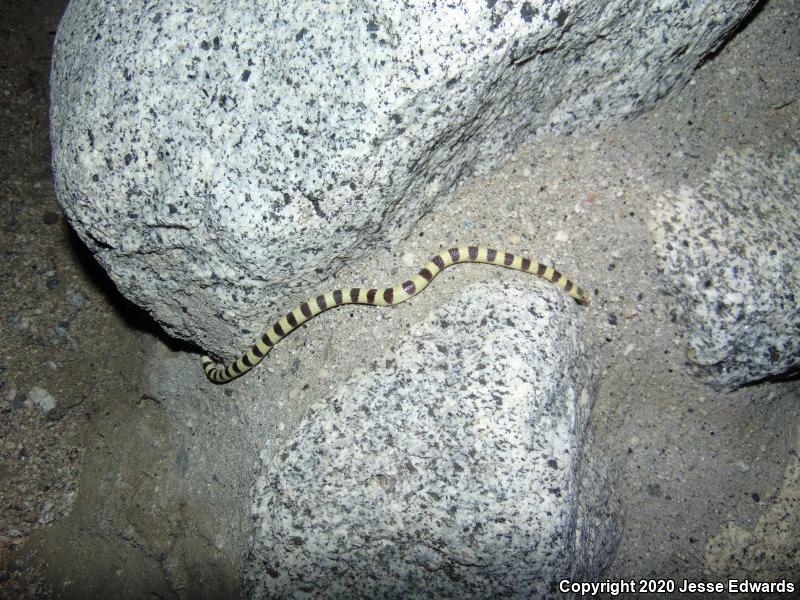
{"x": 221, "y": 373}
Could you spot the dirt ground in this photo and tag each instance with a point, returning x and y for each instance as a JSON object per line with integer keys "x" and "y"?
{"x": 124, "y": 473}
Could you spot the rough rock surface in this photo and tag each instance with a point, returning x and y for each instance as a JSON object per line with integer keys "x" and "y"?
{"x": 221, "y": 159}
{"x": 731, "y": 256}
{"x": 768, "y": 550}
{"x": 457, "y": 467}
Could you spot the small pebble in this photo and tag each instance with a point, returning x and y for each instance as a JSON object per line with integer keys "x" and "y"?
{"x": 561, "y": 236}
{"x": 42, "y": 398}
{"x": 408, "y": 259}
{"x": 50, "y": 217}
{"x": 77, "y": 299}
{"x": 55, "y": 414}
{"x": 654, "y": 490}
{"x": 612, "y": 319}
{"x": 628, "y": 349}
{"x": 47, "y": 514}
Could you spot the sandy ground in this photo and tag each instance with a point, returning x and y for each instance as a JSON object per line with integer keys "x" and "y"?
{"x": 137, "y": 481}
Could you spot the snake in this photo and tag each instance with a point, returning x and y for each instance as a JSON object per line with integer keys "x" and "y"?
{"x": 390, "y": 296}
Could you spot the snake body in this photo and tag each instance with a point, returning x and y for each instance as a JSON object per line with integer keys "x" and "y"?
{"x": 221, "y": 373}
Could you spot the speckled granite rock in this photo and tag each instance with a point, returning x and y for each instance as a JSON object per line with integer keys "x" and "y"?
{"x": 456, "y": 468}
{"x": 731, "y": 256}
{"x": 221, "y": 157}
